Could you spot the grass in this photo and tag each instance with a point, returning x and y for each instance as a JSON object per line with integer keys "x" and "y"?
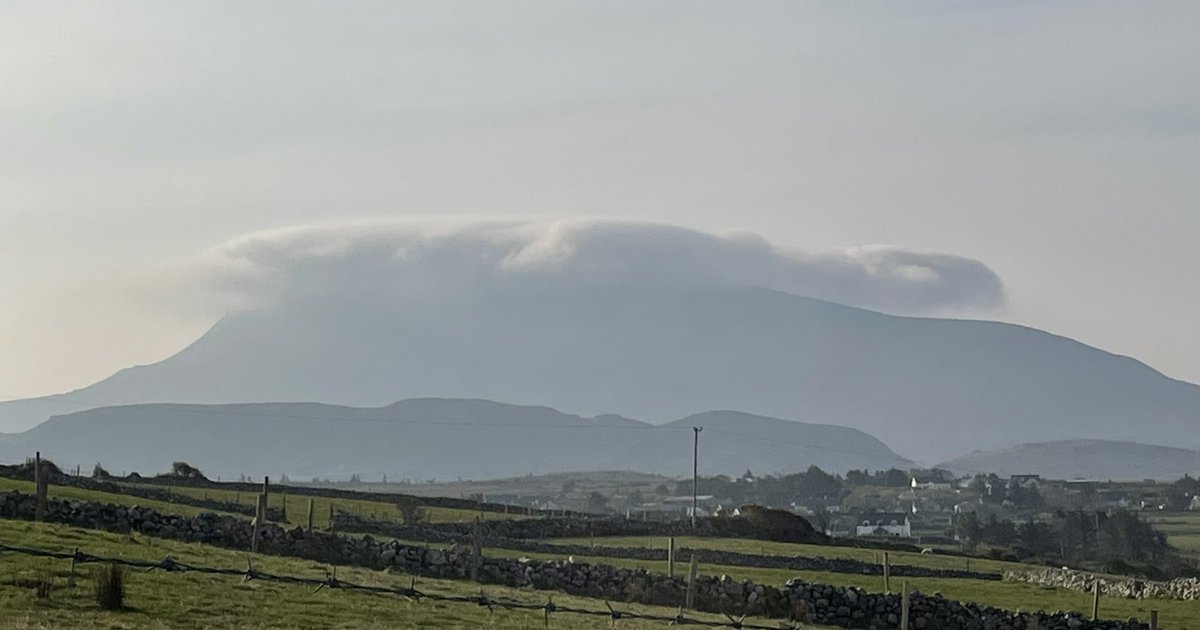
{"x": 297, "y": 506}
{"x": 1173, "y": 614}
{"x": 1182, "y": 530}
{"x": 761, "y": 547}
{"x": 79, "y": 494}
{"x": 192, "y": 600}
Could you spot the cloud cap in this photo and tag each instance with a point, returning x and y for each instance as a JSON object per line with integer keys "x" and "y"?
{"x": 408, "y": 259}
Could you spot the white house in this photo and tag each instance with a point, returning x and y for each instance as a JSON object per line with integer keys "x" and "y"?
{"x": 884, "y": 524}
{"x": 926, "y": 481}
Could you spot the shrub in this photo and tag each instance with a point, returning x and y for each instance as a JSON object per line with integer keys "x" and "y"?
{"x": 110, "y": 586}
{"x": 184, "y": 470}
{"x": 411, "y": 511}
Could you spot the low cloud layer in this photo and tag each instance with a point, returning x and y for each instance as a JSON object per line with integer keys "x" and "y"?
{"x": 419, "y": 259}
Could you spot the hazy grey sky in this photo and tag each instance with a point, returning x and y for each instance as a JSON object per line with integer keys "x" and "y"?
{"x": 1057, "y": 143}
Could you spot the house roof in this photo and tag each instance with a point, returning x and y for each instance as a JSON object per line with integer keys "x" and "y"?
{"x": 885, "y": 517}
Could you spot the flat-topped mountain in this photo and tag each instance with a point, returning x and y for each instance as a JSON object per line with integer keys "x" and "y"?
{"x": 930, "y": 388}
{"x": 433, "y": 438}
{"x": 1083, "y": 459}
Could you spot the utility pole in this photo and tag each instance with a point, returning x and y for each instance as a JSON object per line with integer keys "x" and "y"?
{"x": 695, "y": 470}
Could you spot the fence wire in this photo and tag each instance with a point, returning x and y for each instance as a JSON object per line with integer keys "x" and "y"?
{"x": 331, "y": 581}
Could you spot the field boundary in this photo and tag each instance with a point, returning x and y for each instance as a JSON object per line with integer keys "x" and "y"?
{"x": 331, "y": 581}
{"x": 347, "y": 522}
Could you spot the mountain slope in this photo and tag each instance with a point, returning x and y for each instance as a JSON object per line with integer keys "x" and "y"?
{"x": 1083, "y": 459}
{"x": 930, "y": 388}
{"x": 431, "y": 438}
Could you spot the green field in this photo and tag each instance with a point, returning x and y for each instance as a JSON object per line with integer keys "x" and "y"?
{"x": 78, "y": 494}
{"x": 761, "y": 547}
{"x": 297, "y": 506}
{"x": 1183, "y": 532}
{"x": 1173, "y": 614}
{"x": 191, "y": 600}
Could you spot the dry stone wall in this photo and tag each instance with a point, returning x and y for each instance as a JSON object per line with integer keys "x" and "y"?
{"x": 815, "y": 603}
{"x": 353, "y": 523}
{"x": 1187, "y": 589}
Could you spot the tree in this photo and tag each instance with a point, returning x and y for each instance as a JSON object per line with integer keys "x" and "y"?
{"x": 858, "y": 478}
{"x": 1125, "y": 536}
{"x": 967, "y": 529}
{"x": 1026, "y": 498}
{"x": 1037, "y": 539}
{"x": 998, "y": 532}
{"x": 815, "y": 482}
{"x": 1077, "y": 534}
{"x": 821, "y": 519}
{"x": 185, "y": 470}
{"x": 411, "y": 511}
{"x": 597, "y": 502}
{"x": 895, "y": 478}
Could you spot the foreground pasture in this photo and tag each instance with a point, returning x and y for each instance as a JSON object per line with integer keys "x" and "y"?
{"x": 190, "y": 600}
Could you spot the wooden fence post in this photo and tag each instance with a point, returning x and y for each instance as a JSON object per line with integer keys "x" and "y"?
{"x": 689, "y": 601}
{"x": 283, "y": 494}
{"x": 310, "y": 516}
{"x": 1153, "y": 620}
{"x": 1096, "y": 600}
{"x": 904, "y": 605}
{"x": 266, "y": 491}
{"x": 476, "y": 549}
{"x": 887, "y": 573}
{"x": 260, "y": 516}
{"x": 671, "y": 557}
{"x": 331, "y": 516}
{"x": 39, "y": 488}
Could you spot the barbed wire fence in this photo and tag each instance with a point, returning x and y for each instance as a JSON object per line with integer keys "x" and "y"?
{"x": 331, "y": 581}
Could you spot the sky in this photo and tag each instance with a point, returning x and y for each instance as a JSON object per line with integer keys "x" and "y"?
{"x": 1056, "y": 145}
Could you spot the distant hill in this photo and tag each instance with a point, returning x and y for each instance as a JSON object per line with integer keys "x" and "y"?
{"x": 930, "y": 388}
{"x": 1083, "y": 459}
{"x": 433, "y": 438}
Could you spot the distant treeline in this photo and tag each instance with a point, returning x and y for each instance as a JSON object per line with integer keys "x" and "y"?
{"x": 1114, "y": 538}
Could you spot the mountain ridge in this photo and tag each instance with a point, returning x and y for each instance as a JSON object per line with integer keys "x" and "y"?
{"x": 930, "y": 387}
{"x": 420, "y": 439}
{"x": 1083, "y": 459}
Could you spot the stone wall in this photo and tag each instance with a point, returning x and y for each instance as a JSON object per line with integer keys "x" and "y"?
{"x": 814, "y": 603}
{"x": 1181, "y": 588}
{"x": 353, "y": 523}
{"x": 571, "y": 527}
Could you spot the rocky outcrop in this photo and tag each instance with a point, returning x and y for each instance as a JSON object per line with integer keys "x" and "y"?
{"x": 1182, "y": 588}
